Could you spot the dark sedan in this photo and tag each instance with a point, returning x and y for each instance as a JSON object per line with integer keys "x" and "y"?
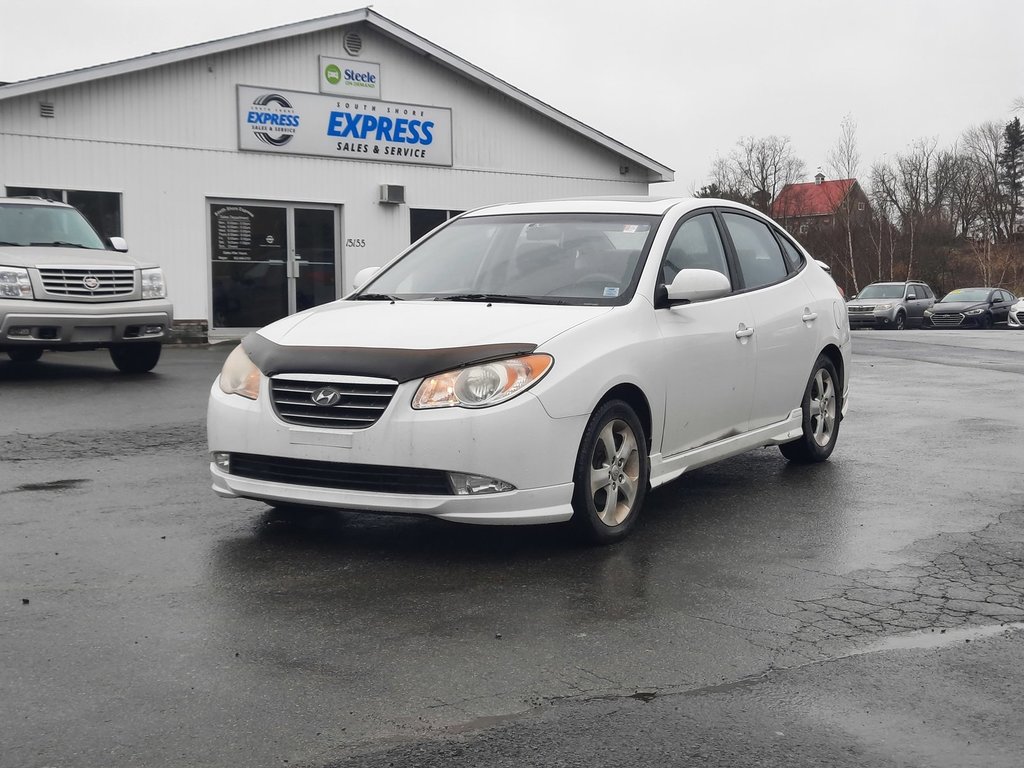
{"x": 970, "y": 308}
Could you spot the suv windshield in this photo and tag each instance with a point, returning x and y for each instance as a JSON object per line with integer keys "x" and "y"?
{"x": 53, "y": 225}
{"x": 544, "y": 258}
{"x": 882, "y": 291}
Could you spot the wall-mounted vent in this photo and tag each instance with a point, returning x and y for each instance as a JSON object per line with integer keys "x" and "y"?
{"x": 47, "y": 110}
{"x": 353, "y": 43}
{"x": 392, "y": 194}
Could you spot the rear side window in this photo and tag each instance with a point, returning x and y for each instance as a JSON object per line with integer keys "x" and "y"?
{"x": 793, "y": 255}
{"x": 761, "y": 260}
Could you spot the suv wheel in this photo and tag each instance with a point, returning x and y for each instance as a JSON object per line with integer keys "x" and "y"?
{"x": 901, "y": 321}
{"x": 25, "y": 354}
{"x": 135, "y": 358}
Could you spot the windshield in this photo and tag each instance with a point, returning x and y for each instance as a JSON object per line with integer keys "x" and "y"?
{"x": 46, "y": 225}
{"x": 545, "y": 258}
{"x": 973, "y": 295}
{"x": 882, "y": 291}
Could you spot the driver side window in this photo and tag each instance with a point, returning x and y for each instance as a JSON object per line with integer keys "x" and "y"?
{"x": 695, "y": 245}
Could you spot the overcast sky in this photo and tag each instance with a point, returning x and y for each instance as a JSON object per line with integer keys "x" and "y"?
{"x": 679, "y": 81}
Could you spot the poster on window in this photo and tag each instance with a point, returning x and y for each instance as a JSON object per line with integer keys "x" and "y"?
{"x": 291, "y": 122}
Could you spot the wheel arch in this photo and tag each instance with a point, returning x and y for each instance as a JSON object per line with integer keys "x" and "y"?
{"x": 635, "y": 398}
{"x": 832, "y": 352}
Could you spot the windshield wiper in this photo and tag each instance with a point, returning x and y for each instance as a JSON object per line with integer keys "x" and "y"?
{"x": 61, "y": 244}
{"x": 377, "y": 297}
{"x": 503, "y": 298}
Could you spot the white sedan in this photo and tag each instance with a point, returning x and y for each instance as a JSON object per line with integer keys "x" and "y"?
{"x": 541, "y": 362}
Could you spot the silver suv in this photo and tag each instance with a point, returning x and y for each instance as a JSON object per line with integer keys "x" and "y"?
{"x": 890, "y": 305}
{"x": 62, "y": 288}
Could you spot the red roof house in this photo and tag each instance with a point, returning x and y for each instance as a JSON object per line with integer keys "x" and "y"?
{"x": 818, "y": 201}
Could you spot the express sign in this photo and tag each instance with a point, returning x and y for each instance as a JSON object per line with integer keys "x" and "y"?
{"x": 290, "y": 122}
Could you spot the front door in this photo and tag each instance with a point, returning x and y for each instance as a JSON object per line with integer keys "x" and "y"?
{"x": 270, "y": 260}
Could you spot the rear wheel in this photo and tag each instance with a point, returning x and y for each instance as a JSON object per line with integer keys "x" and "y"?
{"x": 612, "y": 470}
{"x": 821, "y": 408}
{"x": 135, "y": 358}
{"x": 25, "y": 354}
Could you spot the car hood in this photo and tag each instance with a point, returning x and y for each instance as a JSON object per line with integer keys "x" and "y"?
{"x": 871, "y": 302}
{"x": 407, "y": 339}
{"x": 957, "y": 306}
{"x": 40, "y": 256}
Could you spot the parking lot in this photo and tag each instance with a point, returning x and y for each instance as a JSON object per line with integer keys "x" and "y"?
{"x": 865, "y": 611}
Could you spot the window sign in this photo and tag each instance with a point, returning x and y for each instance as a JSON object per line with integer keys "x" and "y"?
{"x": 290, "y": 122}
{"x": 346, "y": 77}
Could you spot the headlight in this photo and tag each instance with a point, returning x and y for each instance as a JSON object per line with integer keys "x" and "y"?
{"x": 883, "y": 306}
{"x": 239, "y": 376}
{"x": 480, "y": 386}
{"x": 977, "y": 311}
{"x": 929, "y": 312}
{"x": 153, "y": 284}
{"x": 14, "y": 283}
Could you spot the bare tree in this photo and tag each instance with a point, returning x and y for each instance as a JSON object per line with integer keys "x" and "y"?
{"x": 843, "y": 162}
{"x": 982, "y": 145}
{"x": 764, "y": 166}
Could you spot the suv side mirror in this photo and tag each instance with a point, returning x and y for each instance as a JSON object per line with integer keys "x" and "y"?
{"x": 119, "y": 244}
{"x": 911, "y": 296}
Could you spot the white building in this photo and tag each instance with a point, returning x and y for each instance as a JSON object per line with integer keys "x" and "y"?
{"x": 263, "y": 171}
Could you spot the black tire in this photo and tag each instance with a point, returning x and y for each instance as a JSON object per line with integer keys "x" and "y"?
{"x": 900, "y": 323}
{"x": 25, "y": 354}
{"x": 822, "y": 411}
{"x": 136, "y": 358}
{"x": 600, "y": 516}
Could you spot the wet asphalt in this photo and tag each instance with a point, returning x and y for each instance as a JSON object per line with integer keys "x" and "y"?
{"x": 867, "y": 611}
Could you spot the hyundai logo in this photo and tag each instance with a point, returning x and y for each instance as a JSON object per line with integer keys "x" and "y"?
{"x": 326, "y": 397}
{"x": 91, "y": 282}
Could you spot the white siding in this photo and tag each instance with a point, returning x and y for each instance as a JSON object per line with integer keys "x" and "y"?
{"x": 167, "y": 140}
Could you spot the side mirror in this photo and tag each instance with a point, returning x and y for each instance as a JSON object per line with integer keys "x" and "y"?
{"x": 363, "y": 277}
{"x": 698, "y": 285}
{"x": 911, "y": 296}
{"x": 119, "y": 244}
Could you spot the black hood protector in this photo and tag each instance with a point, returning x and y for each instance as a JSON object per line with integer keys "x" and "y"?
{"x": 400, "y": 365}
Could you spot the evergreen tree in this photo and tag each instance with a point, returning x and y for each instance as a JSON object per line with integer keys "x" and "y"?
{"x": 1011, "y": 172}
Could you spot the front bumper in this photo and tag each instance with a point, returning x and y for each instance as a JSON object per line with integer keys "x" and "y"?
{"x": 1015, "y": 319}
{"x": 879, "y": 319}
{"x": 952, "y": 320}
{"x": 516, "y": 442}
{"x": 58, "y": 325}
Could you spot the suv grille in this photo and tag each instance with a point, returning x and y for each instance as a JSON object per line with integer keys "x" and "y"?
{"x": 857, "y": 308}
{"x": 87, "y": 283}
{"x": 349, "y": 477}
{"x": 345, "y": 404}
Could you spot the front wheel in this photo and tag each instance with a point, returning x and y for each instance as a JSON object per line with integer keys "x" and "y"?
{"x": 25, "y": 354}
{"x": 985, "y": 322}
{"x": 901, "y": 321}
{"x": 135, "y": 358}
{"x": 612, "y": 469}
{"x": 821, "y": 408}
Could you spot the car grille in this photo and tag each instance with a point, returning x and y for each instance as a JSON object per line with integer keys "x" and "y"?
{"x": 64, "y": 281}
{"x": 858, "y": 309}
{"x": 349, "y": 477}
{"x": 947, "y": 320}
{"x": 347, "y": 404}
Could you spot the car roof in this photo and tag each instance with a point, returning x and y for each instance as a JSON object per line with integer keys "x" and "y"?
{"x": 627, "y": 204}
{"x": 32, "y": 201}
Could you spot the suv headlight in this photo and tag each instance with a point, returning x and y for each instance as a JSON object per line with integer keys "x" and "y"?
{"x": 883, "y": 306}
{"x": 14, "y": 283}
{"x": 480, "y": 386}
{"x": 239, "y": 376}
{"x": 153, "y": 284}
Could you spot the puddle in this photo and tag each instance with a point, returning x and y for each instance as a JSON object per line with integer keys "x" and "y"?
{"x": 53, "y": 485}
{"x": 937, "y": 638}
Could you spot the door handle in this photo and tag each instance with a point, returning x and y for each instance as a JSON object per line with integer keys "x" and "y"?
{"x": 743, "y": 332}
{"x": 809, "y": 317}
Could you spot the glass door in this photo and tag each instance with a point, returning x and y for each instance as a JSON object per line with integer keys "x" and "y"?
{"x": 268, "y": 261}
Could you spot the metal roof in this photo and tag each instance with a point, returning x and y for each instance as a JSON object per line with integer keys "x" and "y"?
{"x": 362, "y": 15}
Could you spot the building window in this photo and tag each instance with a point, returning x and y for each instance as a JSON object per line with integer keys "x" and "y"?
{"x": 803, "y": 229}
{"x": 860, "y": 206}
{"x": 102, "y": 209}
{"x": 422, "y": 220}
